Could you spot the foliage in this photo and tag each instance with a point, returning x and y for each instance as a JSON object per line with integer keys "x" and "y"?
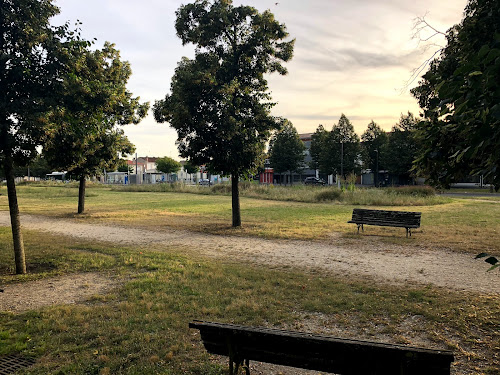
{"x": 401, "y": 148}
{"x": 34, "y": 57}
{"x": 343, "y": 149}
{"x": 416, "y": 191}
{"x": 373, "y": 141}
{"x": 286, "y": 150}
{"x": 122, "y": 166}
{"x": 330, "y": 194}
{"x": 38, "y": 167}
{"x": 190, "y": 168}
{"x": 336, "y": 152}
{"x": 219, "y": 102}
{"x": 84, "y": 139}
{"x": 318, "y": 144}
{"x": 167, "y": 165}
{"x": 459, "y": 95}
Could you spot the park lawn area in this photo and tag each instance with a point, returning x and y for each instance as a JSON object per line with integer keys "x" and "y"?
{"x": 141, "y": 326}
{"x": 459, "y": 224}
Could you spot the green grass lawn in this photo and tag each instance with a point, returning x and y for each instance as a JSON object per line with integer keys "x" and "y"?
{"x": 458, "y": 224}
{"x": 141, "y": 327}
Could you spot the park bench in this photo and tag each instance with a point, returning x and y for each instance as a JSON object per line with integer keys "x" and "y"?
{"x": 318, "y": 352}
{"x": 402, "y": 219}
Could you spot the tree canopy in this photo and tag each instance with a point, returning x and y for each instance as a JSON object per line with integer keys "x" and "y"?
{"x": 460, "y": 99}
{"x": 373, "y": 142}
{"x": 167, "y": 165}
{"x": 336, "y": 152}
{"x": 34, "y": 57}
{"x": 286, "y": 150}
{"x": 318, "y": 144}
{"x": 84, "y": 138}
{"x": 400, "y": 151}
{"x": 219, "y": 102}
{"x": 190, "y": 168}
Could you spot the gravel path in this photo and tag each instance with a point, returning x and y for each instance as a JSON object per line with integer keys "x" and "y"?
{"x": 377, "y": 261}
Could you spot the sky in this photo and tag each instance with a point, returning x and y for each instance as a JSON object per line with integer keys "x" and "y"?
{"x": 351, "y": 56}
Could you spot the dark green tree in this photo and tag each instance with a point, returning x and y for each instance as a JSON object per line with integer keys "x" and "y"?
{"x": 399, "y": 153}
{"x": 317, "y": 150}
{"x": 342, "y": 152}
{"x": 373, "y": 142}
{"x": 286, "y": 150}
{"x": 460, "y": 99}
{"x": 219, "y": 102}
{"x": 33, "y": 60}
{"x": 168, "y": 165}
{"x": 85, "y": 138}
{"x": 190, "y": 168}
{"x": 122, "y": 166}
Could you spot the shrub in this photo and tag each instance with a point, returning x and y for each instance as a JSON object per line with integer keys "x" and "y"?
{"x": 416, "y": 191}
{"x": 329, "y": 194}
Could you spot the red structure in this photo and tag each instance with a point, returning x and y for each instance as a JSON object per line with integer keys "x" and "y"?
{"x": 267, "y": 176}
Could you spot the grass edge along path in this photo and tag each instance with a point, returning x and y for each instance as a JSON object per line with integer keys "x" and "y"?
{"x": 457, "y": 224}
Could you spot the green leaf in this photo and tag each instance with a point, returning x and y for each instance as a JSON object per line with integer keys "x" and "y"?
{"x": 475, "y": 73}
{"x": 483, "y": 51}
{"x": 493, "y": 267}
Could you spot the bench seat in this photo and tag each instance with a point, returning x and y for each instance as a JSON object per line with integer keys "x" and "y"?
{"x": 318, "y": 352}
{"x": 400, "y": 219}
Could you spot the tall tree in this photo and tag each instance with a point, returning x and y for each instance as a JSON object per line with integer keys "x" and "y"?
{"x": 460, "y": 99}
{"x": 318, "y": 145}
{"x": 400, "y": 151}
{"x": 219, "y": 102}
{"x": 342, "y": 149}
{"x": 373, "y": 141}
{"x": 85, "y": 138}
{"x": 286, "y": 150}
{"x": 33, "y": 59}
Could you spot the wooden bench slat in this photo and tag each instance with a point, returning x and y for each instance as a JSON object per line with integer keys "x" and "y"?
{"x": 319, "y": 352}
{"x": 401, "y": 219}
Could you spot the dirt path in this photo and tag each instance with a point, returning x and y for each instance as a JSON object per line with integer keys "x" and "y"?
{"x": 383, "y": 262}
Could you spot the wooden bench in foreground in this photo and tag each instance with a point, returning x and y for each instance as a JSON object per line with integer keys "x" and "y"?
{"x": 402, "y": 219}
{"x": 317, "y": 352}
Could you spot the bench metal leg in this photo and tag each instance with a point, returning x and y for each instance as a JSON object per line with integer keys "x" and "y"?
{"x": 235, "y": 361}
{"x": 234, "y": 366}
{"x": 408, "y": 230}
{"x": 360, "y": 226}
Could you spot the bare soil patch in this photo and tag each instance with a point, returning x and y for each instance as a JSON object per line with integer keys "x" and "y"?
{"x": 68, "y": 289}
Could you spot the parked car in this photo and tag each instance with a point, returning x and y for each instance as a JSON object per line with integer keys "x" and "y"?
{"x": 204, "y": 181}
{"x": 314, "y": 181}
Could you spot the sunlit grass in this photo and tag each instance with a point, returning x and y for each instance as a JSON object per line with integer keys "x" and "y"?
{"x": 457, "y": 224}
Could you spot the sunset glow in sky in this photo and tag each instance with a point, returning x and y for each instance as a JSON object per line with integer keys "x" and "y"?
{"x": 351, "y": 56}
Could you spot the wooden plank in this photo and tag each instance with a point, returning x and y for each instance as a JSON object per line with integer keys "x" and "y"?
{"x": 321, "y": 353}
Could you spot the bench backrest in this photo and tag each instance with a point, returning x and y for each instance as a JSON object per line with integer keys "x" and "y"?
{"x": 407, "y": 218}
{"x": 319, "y": 352}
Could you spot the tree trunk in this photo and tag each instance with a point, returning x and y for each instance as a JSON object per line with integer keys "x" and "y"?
{"x": 236, "y": 199}
{"x": 15, "y": 221}
{"x": 291, "y": 179}
{"x": 81, "y": 195}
